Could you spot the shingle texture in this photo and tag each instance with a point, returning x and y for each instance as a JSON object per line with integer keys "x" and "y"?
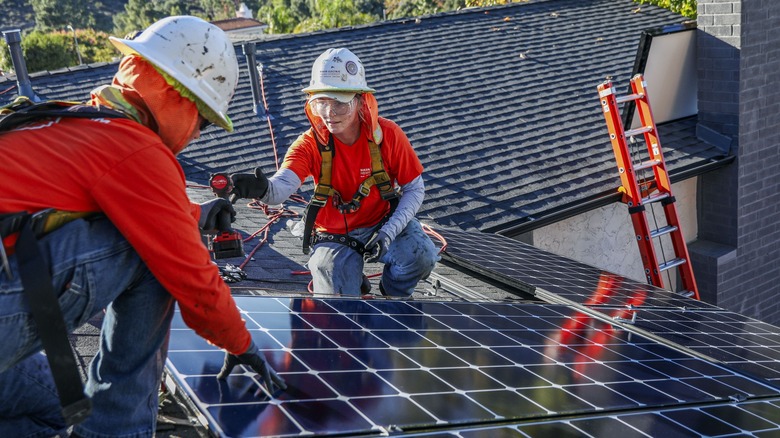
{"x": 499, "y": 103}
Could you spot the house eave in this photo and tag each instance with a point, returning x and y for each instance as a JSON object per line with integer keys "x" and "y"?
{"x": 530, "y": 223}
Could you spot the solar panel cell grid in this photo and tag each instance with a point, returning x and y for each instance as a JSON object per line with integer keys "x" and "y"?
{"x": 357, "y": 366}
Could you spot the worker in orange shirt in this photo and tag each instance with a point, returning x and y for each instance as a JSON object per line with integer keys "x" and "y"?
{"x": 357, "y": 160}
{"x": 138, "y": 256}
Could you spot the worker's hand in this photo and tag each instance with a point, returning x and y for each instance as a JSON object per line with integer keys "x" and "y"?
{"x": 248, "y": 185}
{"x": 213, "y": 214}
{"x": 376, "y": 248}
{"x": 255, "y": 360}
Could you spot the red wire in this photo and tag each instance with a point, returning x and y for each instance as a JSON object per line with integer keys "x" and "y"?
{"x": 428, "y": 230}
{"x": 268, "y": 117}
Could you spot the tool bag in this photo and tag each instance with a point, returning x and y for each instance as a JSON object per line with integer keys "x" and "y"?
{"x": 33, "y": 270}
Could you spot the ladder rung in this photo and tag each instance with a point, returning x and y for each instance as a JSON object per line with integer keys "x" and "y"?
{"x": 626, "y": 98}
{"x": 686, "y": 293}
{"x": 637, "y": 131}
{"x": 663, "y": 230}
{"x": 670, "y": 264}
{"x": 654, "y": 198}
{"x": 647, "y": 164}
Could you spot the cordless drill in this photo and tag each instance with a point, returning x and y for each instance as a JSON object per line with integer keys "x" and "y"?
{"x": 227, "y": 243}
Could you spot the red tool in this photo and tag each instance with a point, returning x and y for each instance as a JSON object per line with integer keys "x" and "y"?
{"x": 228, "y": 242}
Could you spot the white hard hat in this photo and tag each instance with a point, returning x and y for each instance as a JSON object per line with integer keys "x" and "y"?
{"x": 339, "y": 71}
{"x": 195, "y": 53}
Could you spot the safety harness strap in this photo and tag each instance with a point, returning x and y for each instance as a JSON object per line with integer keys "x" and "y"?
{"x": 23, "y": 110}
{"x": 342, "y": 239}
{"x": 379, "y": 177}
{"x": 322, "y": 191}
{"x": 45, "y": 309}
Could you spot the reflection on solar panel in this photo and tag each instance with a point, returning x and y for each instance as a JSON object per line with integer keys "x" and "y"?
{"x": 550, "y": 276}
{"x": 435, "y": 369}
{"x": 725, "y": 419}
{"x": 746, "y": 344}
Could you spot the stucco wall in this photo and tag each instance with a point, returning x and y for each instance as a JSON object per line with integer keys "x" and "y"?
{"x": 604, "y": 238}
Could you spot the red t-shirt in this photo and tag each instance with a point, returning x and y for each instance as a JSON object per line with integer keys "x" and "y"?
{"x": 351, "y": 166}
{"x": 121, "y": 168}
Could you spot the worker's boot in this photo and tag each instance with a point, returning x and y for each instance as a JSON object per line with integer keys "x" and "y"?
{"x": 365, "y": 286}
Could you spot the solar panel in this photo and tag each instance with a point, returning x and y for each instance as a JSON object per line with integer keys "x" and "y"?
{"x": 756, "y": 419}
{"x": 551, "y": 277}
{"x": 748, "y": 345}
{"x": 378, "y": 366}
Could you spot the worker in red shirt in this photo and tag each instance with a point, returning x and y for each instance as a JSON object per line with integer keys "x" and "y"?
{"x": 141, "y": 253}
{"x": 357, "y": 160}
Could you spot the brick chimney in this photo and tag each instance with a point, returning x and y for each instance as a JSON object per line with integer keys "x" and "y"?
{"x": 736, "y": 257}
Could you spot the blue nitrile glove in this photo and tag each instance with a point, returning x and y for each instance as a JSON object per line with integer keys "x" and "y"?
{"x": 255, "y": 360}
{"x": 213, "y": 214}
{"x": 248, "y": 185}
{"x": 376, "y": 248}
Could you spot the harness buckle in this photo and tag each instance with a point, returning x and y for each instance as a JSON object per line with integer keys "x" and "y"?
{"x": 364, "y": 190}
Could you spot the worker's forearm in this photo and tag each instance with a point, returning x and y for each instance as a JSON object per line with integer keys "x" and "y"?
{"x": 408, "y": 205}
{"x": 280, "y": 186}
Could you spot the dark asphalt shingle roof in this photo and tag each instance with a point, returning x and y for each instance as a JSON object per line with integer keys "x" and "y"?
{"x": 499, "y": 103}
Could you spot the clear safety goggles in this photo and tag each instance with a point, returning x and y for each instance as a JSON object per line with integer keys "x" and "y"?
{"x": 323, "y": 107}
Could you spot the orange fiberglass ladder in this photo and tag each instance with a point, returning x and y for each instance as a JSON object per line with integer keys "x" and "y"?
{"x": 656, "y": 188}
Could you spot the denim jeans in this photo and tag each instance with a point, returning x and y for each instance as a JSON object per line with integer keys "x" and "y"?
{"x": 93, "y": 269}
{"x": 338, "y": 269}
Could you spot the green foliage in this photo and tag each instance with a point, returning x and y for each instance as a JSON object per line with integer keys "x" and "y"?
{"x": 17, "y": 14}
{"x": 486, "y": 3}
{"x": 54, "y": 14}
{"x": 415, "y": 8}
{"x": 686, "y": 8}
{"x": 411, "y": 8}
{"x": 280, "y": 19}
{"x": 55, "y": 50}
{"x": 140, "y": 14}
{"x": 94, "y": 46}
{"x": 330, "y": 14}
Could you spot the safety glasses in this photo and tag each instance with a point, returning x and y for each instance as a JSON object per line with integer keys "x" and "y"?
{"x": 323, "y": 107}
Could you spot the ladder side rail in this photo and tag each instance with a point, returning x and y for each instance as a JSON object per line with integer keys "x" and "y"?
{"x": 646, "y": 246}
{"x": 653, "y": 142}
{"x": 663, "y": 185}
{"x": 619, "y": 145}
{"x": 680, "y": 249}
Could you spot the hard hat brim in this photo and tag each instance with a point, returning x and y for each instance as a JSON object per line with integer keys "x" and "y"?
{"x": 320, "y": 89}
{"x": 341, "y": 96}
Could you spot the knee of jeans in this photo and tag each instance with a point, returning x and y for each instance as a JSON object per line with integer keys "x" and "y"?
{"x": 420, "y": 259}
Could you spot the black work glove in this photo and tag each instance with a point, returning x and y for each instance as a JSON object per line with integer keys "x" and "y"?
{"x": 216, "y": 214}
{"x": 376, "y": 248}
{"x": 248, "y": 185}
{"x": 255, "y": 360}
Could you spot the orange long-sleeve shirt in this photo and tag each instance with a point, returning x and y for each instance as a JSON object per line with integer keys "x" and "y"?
{"x": 121, "y": 168}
